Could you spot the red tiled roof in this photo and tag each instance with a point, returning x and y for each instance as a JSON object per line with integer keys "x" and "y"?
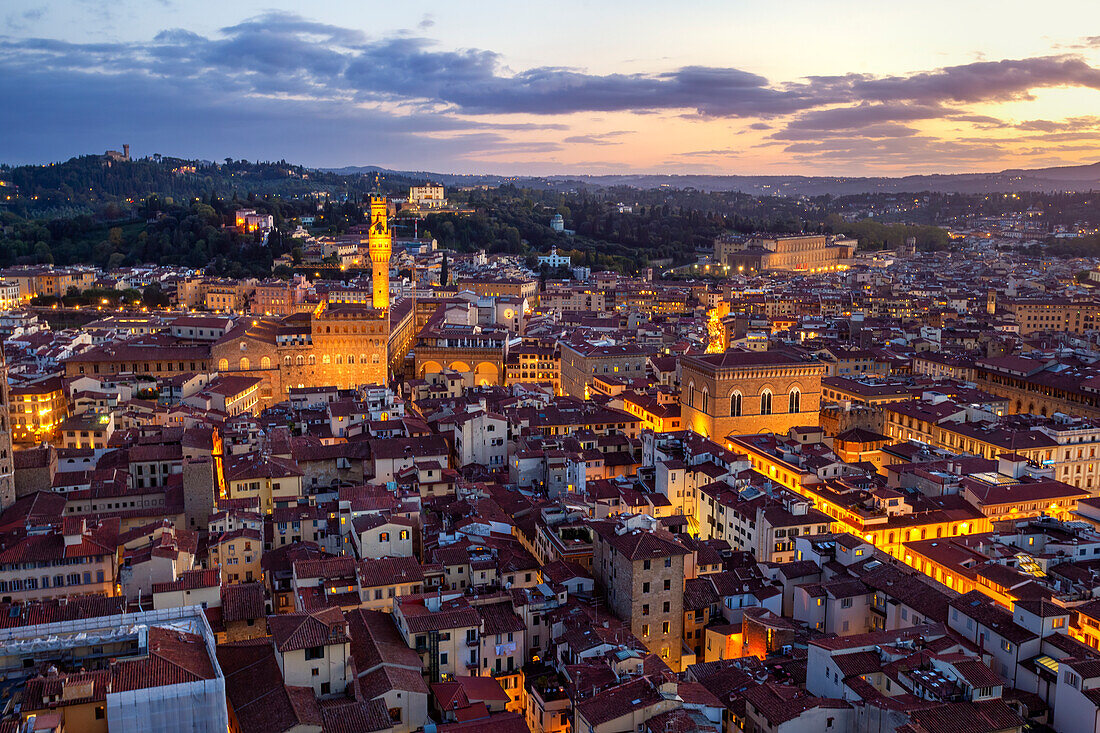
{"x": 350, "y": 716}
{"x": 619, "y": 700}
{"x": 389, "y": 571}
{"x": 243, "y": 602}
{"x": 190, "y": 580}
{"x": 302, "y": 630}
{"x": 254, "y": 687}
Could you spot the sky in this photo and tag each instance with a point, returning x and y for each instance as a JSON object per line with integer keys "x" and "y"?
{"x": 813, "y": 87}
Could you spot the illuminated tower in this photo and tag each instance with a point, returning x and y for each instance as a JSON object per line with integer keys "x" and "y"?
{"x": 379, "y": 243}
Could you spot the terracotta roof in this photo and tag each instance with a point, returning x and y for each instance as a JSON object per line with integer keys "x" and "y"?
{"x": 640, "y": 544}
{"x": 191, "y": 580}
{"x": 389, "y": 571}
{"x": 781, "y": 703}
{"x": 350, "y": 716}
{"x": 387, "y": 677}
{"x": 303, "y": 630}
{"x": 452, "y": 614}
{"x": 619, "y": 701}
{"x": 965, "y": 717}
{"x": 499, "y": 618}
{"x": 329, "y": 567}
{"x": 376, "y": 641}
{"x": 500, "y": 723}
{"x": 243, "y": 602}
{"x": 254, "y": 688}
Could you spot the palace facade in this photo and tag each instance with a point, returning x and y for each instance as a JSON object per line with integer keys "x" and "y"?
{"x": 742, "y": 392}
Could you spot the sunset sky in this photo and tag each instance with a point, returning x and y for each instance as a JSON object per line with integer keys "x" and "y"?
{"x": 800, "y": 87}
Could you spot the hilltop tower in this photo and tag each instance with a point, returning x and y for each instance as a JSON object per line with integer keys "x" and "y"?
{"x": 379, "y": 244}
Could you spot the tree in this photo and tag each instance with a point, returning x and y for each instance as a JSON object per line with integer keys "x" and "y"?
{"x": 443, "y": 273}
{"x": 154, "y": 297}
{"x": 42, "y": 253}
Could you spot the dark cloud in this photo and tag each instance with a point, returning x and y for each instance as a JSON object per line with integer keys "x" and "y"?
{"x": 981, "y": 81}
{"x": 863, "y": 116}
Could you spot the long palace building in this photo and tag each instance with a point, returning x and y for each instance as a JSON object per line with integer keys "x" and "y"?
{"x": 784, "y": 252}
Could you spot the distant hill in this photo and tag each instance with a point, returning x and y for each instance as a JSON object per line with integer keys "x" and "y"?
{"x": 1049, "y": 180}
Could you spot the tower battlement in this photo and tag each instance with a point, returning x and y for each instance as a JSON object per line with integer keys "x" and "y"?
{"x": 379, "y": 243}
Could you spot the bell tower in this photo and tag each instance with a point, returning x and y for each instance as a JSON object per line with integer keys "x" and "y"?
{"x": 379, "y": 243}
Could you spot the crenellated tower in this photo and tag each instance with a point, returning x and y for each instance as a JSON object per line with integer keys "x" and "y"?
{"x": 379, "y": 243}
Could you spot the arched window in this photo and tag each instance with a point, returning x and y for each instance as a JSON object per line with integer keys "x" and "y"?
{"x": 325, "y": 359}
{"x": 351, "y": 358}
{"x": 223, "y": 365}
{"x": 362, "y": 358}
{"x": 706, "y": 401}
{"x": 691, "y": 394}
{"x": 299, "y": 360}
{"x": 265, "y": 363}
{"x": 339, "y": 358}
{"x": 794, "y": 401}
{"x": 735, "y": 404}
{"x": 244, "y": 363}
{"x": 286, "y": 360}
{"x": 374, "y": 358}
{"x": 312, "y": 359}
{"x": 766, "y": 402}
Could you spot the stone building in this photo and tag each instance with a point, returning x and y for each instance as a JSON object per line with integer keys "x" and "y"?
{"x": 582, "y": 362}
{"x": 343, "y": 345}
{"x": 1062, "y": 315}
{"x": 478, "y": 353}
{"x": 642, "y": 569}
{"x": 742, "y": 392}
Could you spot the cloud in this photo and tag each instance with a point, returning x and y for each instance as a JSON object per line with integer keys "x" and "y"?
{"x": 863, "y": 116}
{"x": 1070, "y": 124}
{"x": 719, "y": 152}
{"x": 1085, "y": 42}
{"x": 981, "y": 81}
{"x": 879, "y": 130}
{"x": 895, "y": 153}
{"x": 403, "y": 92}
{"x": 283, "y": 53}
{"x": 984, "y": 122}
{"x": 599, "y": 138}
